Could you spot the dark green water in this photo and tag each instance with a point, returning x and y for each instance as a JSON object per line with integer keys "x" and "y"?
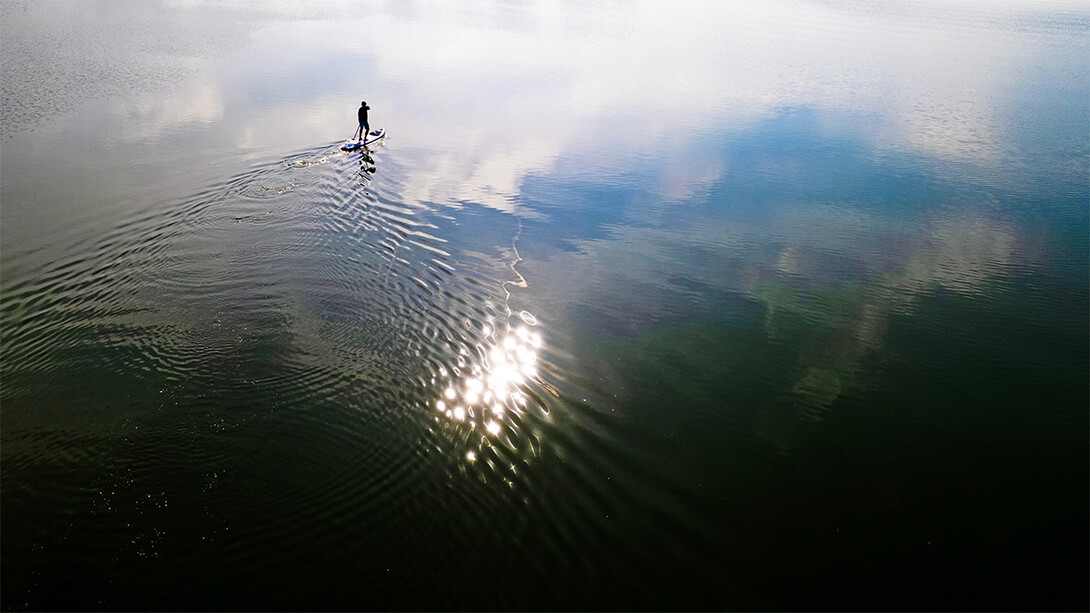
{"x": 781, "y": 306}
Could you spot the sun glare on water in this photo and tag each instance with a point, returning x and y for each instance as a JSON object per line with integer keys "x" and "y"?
{"x": 488, "y": 385}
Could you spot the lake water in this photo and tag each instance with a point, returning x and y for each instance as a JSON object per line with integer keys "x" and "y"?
{"x": 771, "y": 305}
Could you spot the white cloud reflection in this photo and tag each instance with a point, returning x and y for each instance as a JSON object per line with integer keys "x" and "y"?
{"x": 502, "y": 103}
{"x": 494, "y": 92}
{"x": 148, "y": 114}
{"x": 845, "y": 273}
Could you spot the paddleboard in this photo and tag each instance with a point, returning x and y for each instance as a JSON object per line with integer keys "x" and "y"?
{"x": 372, "y": 138}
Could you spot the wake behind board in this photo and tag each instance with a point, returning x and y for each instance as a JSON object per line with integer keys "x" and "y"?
{"x": 374, "y": 137}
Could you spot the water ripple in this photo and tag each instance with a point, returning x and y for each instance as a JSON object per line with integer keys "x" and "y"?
{"x": 299, "y": 301}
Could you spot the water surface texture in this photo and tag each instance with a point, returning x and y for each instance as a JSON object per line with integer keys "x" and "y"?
{"x": 722, "y": 305}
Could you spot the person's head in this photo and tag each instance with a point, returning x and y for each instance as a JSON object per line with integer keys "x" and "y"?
{"x": 364, "y": 103}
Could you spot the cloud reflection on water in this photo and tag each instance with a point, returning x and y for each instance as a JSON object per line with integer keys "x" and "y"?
{"x": 495, "y": 93}
{"x": 514, "y": 102}
{"x": 483, "y": 98}
{"x": 813, "y": 289}
{"x": 965, "y": 255}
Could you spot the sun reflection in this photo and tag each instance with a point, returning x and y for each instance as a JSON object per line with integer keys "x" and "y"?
{"x": 488, "y": 386}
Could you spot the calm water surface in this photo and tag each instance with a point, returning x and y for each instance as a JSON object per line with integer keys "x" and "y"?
{"x": 725, "y": 306}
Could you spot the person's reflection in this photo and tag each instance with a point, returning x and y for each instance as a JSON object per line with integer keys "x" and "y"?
{"x": 367, "y": 164}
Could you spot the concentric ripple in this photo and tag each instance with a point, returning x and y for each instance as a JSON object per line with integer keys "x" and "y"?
{"x": 294, "y": 346}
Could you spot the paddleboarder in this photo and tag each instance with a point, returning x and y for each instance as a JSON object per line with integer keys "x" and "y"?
{"x": 362, "y": 115}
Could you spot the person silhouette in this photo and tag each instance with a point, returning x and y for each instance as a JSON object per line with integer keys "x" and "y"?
{"x": 362, "y": 115}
